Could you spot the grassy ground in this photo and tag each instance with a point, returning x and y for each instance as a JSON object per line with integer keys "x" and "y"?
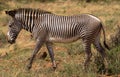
{"x": 69, "y": 57}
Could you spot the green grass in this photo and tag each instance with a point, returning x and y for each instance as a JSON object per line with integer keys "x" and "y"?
{"x": 114, "y": 60}
{"x": 14, "y": 65}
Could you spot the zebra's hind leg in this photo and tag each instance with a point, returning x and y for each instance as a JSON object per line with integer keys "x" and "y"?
{"x": 51, "y": 53}
{"x": 87, "y": 47}
{"x": 101, "y": 50}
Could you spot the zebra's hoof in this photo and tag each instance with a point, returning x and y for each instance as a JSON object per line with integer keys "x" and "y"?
{"x": 54, "y": 65}
{"x": 28, "y": 58}
{"x": 28, "y": 67}
{"x": 54, "y": 68}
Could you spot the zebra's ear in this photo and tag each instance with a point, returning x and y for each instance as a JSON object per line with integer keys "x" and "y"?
{"x": 11, "y": 13}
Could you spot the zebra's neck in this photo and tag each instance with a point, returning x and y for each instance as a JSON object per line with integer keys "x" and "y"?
{"x": 28, "y": 25}
{"x": 27, "y": 22}
{"x": 27, "y": 16}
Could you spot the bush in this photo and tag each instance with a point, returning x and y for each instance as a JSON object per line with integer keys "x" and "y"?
{"x": 113, "y": 59}
{"x": 99, "y": 64}
{"x": 23, "y": 1}
{"x": 45, "y": 0}
{"x": 29, "y": 1}
{"x": 115, "y": 38}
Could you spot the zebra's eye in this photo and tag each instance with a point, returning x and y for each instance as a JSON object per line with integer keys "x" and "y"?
{"x": 10, "y": 25}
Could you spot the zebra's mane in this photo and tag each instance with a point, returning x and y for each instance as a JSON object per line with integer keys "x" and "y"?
{"x": 40, "y": 11}
{"x": 31, "y": 9}
{"x": 27, "y": 11}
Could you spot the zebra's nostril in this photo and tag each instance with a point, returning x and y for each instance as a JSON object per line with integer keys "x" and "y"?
{"x": 11, "y": 41}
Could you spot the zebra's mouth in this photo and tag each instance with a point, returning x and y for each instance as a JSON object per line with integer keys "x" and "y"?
{"x": 11, "y": 41}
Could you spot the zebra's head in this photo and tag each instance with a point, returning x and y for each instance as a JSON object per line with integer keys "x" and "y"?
{"x": 14, "y": 27}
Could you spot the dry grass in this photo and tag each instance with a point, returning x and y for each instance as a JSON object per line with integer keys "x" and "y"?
{"x": 13, "y": 64}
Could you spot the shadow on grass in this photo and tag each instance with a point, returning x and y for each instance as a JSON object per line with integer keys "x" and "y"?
{"x": 3, "y": 39}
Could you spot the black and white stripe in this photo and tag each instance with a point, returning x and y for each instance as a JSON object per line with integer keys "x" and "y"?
{"x": 47, "y": 27}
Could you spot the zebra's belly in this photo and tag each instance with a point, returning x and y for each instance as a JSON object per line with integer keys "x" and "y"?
{"x": 63, "y": 40}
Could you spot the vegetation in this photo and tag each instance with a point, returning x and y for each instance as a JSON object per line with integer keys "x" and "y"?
{"x": 69, "y": 57}
{"x": 115, "y": 39}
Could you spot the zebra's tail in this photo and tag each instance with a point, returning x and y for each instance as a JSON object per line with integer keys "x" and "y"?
{"x": 105, "y": 44}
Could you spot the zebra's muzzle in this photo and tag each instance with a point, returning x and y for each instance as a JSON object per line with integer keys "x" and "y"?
{"x": 11, "y": 41}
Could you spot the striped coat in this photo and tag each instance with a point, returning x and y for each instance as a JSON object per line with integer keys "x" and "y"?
{"x": 47, "y": 28}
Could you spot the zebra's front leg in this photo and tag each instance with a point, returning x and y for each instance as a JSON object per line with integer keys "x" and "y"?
{"x": 51, "y": 53}
{"x": 37, "y": 48}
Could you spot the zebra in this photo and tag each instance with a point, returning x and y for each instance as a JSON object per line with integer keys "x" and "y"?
{"x": 48, "y": 28}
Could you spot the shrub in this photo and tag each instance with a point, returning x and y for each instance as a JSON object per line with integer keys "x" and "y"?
{"x": 45, "y": 0}
{"x": 113, "y": 59}
{"x": 29, "y": 1}
{"x": 23, "y": 1}
{"x": 115, "y": 38}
